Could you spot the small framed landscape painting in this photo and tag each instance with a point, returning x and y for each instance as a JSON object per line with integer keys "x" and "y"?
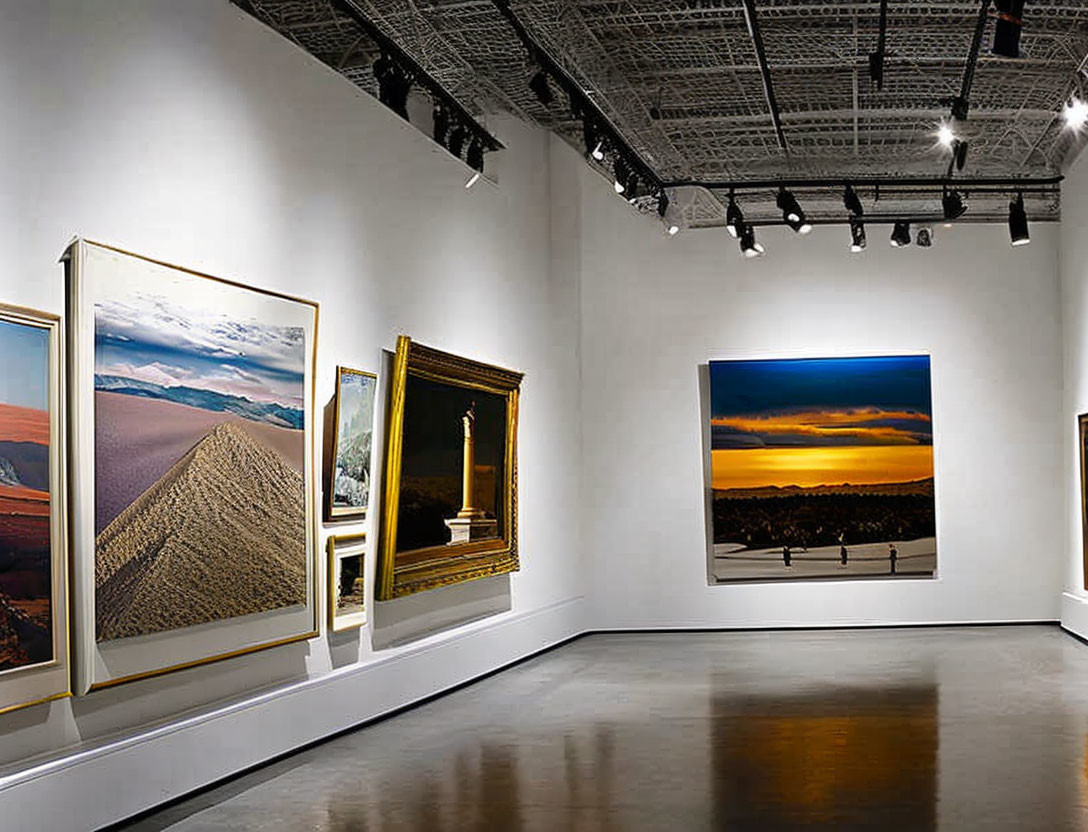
{"x": 33, "y": 522}
{"x": 822, "y": 468}
{"x": 193, "y": 507}
{"x": 450, "y": 485}
{"x": 349, "y": 479}
{"x": 347, "y": 581}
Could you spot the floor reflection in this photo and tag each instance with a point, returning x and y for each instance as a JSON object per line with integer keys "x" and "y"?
{"x": 977, "y": 728}
{"x": 841, "y": 758}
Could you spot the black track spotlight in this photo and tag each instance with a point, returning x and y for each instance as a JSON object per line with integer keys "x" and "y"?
{"x": 734, "y": 217}
{"x": 1007, "y": 28}
{"x": 876, "y": 69}
{"x": 953, "y": 205}
{"x": 959, "y": 153}
{"x": 475, "y": 157}
{"x": 901, "y": 234}
{"x": 622, "y": 174}
{"x": 541, "y": 88}
{"x": 851, "y": 202}
{"x": 662, "y": 204}
{"x": 394, "y": 84}
{"x": 630, "y": 189}
{"x": 441, "y": 124}
{"x": 593, "y": 142}
{"x": 924, "y": 237}
{"x": 857, "y": 235}
{"x": 671, "y": 216}
{"x": 1018, "y": 222}
{"x": 791, "y": 211}
{"x": 457, "y": 140}
{"x": 748, "y": 245}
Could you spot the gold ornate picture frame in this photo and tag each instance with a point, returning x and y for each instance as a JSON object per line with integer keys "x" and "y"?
{"x": 347, "y": 581}
{"x": 450, "y": 508}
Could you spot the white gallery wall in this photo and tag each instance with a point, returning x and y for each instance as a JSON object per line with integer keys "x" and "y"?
{"x": 191, "y": 133}
{"x": 1073, "y": 259}
{"x": 655, "y": 309}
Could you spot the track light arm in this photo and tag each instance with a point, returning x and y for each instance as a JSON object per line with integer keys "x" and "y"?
{"x": 419, "y": 74}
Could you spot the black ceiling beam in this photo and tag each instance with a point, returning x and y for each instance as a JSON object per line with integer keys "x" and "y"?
{"x": 579, "y": 99}
{"x": 871, "y": 181}
{"x": 765, "y": 71}
{"x": 419, "y": 74}
{"x": 961, "y": 103}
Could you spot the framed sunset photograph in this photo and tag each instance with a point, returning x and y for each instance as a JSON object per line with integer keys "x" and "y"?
{"x": 822, "y": 468}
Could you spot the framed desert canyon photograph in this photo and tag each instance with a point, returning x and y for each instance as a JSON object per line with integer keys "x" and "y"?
{"x": 193, "y": 506}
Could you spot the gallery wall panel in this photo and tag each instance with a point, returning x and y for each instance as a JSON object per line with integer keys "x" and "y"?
{"x": 192, "y": 133}
{"x": 656, "y": 310}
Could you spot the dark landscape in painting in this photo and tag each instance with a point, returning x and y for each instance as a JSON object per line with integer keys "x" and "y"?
{"x": 199, "y": 452}
{"x": 433, "y": 457}
{"x": 822, "y": 468}
{"x": 25, "y": 547}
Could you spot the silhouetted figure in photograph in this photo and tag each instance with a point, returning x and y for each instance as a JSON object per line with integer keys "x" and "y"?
{"x": 843, "y": 555}
{"x": 786, "y": 556}
{"x": 893, "y": 555}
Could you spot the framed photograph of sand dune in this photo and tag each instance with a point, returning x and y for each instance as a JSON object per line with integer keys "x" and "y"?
{"x": 34, "y": 665}
{"x": 347, "y": 581}
{"x": 449, "y": 512}
{"x": 348, "y": 492}
{"x": 192, "y": 492}
{"x": 821, "y": 468}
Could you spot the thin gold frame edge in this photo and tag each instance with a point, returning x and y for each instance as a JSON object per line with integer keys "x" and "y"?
{"x": 332, "y": 514}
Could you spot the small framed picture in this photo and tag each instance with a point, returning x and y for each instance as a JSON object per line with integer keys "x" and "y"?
{"x": 347, "y": 582}
{"x": 349, "y": 475}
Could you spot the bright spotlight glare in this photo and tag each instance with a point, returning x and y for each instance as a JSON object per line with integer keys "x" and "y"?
{"x": 598, "y": 151}
{"x": 1075, "y": 113}
{"x": 472, "y": 181}
{"x": 945, "y": 134}
{"x": 674, "y": 230}
{"x": 805, "y": 229}
{"x": 618, "y": 186}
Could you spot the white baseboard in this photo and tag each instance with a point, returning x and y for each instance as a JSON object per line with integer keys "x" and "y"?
{"x": 92, "y": 787}
{"x": 1075, "y": 614}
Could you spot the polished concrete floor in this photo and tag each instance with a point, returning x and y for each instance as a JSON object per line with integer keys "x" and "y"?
{"x": 973, "y": 728}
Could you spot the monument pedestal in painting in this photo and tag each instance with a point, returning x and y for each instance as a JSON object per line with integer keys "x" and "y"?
{"x": 471, "y": 523}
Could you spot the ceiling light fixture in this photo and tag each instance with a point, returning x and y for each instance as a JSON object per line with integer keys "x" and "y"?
{"x": 1007, "y": 28}
{"x": 953, "y": 205}
{"x": 924, "y": 237}
{"x": 901, "y": 234}
{"x": 851, "y": 201}
{"x": 792, "y": 212}
{"x": 541, "y": 89}
{"x": 857, "y": 235}
{"x": 441, "y": 124}
{"x": 457, "y": 141}
{"x": 1018, "y": 222}
{"x": 945, "y": 134}
{"x": 472, "y": 180}
{"x": 475, "y": 156}
{"x": 734, "y": 217}
{"x": 748, "y": 245}
{"x": 1075, "y": 113}
{"x": 621, "y": 171}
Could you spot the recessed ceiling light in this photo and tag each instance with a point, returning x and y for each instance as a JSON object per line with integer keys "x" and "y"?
{"x": 1075, "y": 113}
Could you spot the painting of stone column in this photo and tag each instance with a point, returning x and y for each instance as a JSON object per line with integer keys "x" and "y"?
{"x": 822, "y": 468}
{"x": 450, "y": 509}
